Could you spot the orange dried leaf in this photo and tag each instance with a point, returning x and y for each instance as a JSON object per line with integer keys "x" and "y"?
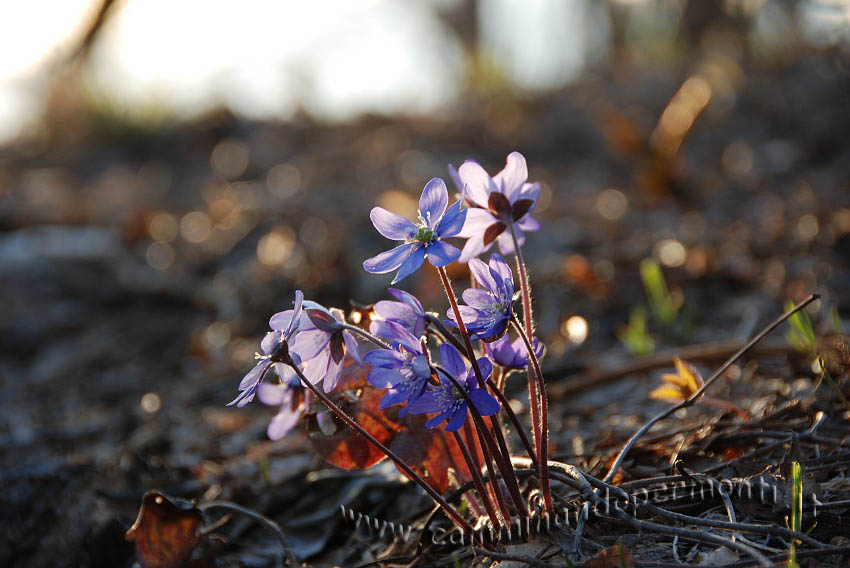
{"x": 429, "y": 452}
{"x": 166, "y": 531}
{"x": 338, "y": 443}
{"x": 680, "y": 386}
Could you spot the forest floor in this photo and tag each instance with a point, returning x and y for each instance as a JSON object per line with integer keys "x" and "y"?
{"x": 139, "y": 267}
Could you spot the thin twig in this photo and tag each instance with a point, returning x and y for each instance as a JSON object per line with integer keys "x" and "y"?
{"x": 262, "y": 519}
{"x": 710, "y": 381}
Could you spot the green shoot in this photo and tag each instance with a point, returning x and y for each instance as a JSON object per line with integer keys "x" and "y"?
{"x": 663, "y": 306}
{"x": 837, "y": 326}
{"x": 635, "y": 336}
{"x": 796, "y": 510}
{"x": 802, "y": 333}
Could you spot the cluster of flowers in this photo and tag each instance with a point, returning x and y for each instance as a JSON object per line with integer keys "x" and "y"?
{"x": 310, "y": 342}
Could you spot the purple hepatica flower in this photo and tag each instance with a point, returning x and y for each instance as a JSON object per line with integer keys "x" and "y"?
{"x": 489, "y": 308}
{"x": 422, "y": 240}
{"x": 404, "y": 369}
{"x": 322, "y": 344}
{"x": 276, "y": 351}
{"x": 495, "y": 203}
{"x": 445, "y": 397}
{"x": 511, "y": 355}
{"x": 407, "y": 312}
{"x": 289, "y": 396}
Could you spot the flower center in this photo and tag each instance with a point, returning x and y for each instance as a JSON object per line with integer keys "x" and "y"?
{"x": 424, "y": 235}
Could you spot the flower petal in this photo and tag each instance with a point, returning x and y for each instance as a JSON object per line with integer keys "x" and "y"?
{"x": 254, "y": 374}
{"x": 452, "y": 360}
{"x": 281, "y": 320}
{"x": 441, "y": 253}
{"x": 434, "y": 422}
{"x": 478, "y": 298}
{"x": 452, "y": 222}
{"x": 387, "y": 358}
{"x": 501, "y": 268}
{"x": 477, "y": 221}
{"x": 481, "y": 273}
{"x": 457, "y": 420}
{"x": 476, "y": 181}
{"x": 351, "y": 347}
{"x": 273, "y": 395}
{"x": 390, "y": 225}
{"x": 270, "y": 341}
{"x": 411, "y": 264}
{"x": 408, "y": 299}
{"x": 511, "y": 179}
{"x": 528, "y": 223}
{"x": 310, "y": 342}
{"x": 284, "y": 421}
{"x": 486, "y": 404}
{"x": 316, "y": 368}
{"x": 473, "y": 247}
{"x": 393, "y": 397}
{"x": 529, "y": 191}
{"x": 397, "y": 333}
{"x": 506, "y": 243}
{"x": 485, "y": 366}
{"x": 389, "y": 260}
{"x": 424, "y": 404}
{"x": 295, "y": 322}
{"x": 382, "y": 378}
{"x": 332, "y": 376}
{"x": 455, "y": 178}
{"x": 433, "y": 202}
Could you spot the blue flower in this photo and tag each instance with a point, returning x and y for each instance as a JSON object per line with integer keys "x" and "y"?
{"x": 445, "y": 398}
{"x": 404, "y": 369}
{"x": 408, "y": 312}
{"x": 276, "y": 351}
{"x": 494, "y": 203}
{"x": 489, "y": 308}
{"x": 422, "y": 240}
{"x": 289, "y": 396}
{"x": 511, "y": 355}
{"x": 322, "y": 344}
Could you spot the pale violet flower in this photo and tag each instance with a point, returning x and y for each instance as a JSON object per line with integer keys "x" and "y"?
{"x": 496, "y": 202}
{"x": 447, "y": 401}
{"x": 421, "y": 240}
{"x": 276, "y": 350}
{"x": 322, "y": 344}
{"x": 488, "y": 309}
{"x": 404, "y": 369}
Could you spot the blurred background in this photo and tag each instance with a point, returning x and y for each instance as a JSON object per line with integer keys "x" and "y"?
{"x": 171, "y": 171}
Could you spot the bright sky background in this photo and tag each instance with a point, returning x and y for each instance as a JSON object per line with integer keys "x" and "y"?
{"x": 263, "y": 58}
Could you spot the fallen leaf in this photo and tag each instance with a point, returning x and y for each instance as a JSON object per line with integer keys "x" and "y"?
{"x": 680, "y": 386}
{"x": 429, "y": 452}
{"x": 166, "y": 531}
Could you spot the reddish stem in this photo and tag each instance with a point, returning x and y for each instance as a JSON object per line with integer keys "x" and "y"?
{"x": 450, "y": 511}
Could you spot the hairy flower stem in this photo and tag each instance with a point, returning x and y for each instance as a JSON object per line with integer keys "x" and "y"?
{"x": 450, "y": 511}
{"x": 534, "y": 398}
{"x": 366, "y": 335}
{"x": 445, "y": 333}
{"x": 502, "y": 455}
{"x": 515, "y": 421}
{"x": 543, "y": 447}
{"x": 475, "y": 470}
{"x": 488, "y": 448}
